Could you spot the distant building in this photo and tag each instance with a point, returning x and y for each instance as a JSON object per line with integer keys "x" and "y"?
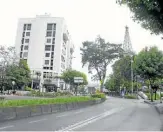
{"x": 45, "y": 43}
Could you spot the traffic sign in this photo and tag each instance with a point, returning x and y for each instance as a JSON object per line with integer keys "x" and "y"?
{"x": 78, "y": 79}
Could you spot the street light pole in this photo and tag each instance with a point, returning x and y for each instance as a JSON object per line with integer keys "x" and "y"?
{"x": 32, "y": 79}
{"x": 132, "y": 74}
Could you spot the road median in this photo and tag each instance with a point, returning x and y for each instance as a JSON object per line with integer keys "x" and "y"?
{"x": 17, "y": 109}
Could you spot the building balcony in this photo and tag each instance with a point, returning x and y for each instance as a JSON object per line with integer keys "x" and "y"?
{"x": 65, "y": 37}
{"x": 71, "y": 50}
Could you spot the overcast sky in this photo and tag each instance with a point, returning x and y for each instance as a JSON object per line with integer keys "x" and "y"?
{"x": 85, "y": 19}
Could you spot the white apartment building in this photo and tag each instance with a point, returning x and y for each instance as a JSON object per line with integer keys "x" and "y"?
{"x": 46, "y": 44}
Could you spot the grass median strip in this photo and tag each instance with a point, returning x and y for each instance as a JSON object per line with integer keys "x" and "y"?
{"x": 59, "y": 100}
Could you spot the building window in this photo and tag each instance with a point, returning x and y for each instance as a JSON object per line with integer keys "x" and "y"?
{"x": 54, "y": 26}
{"x": 25, "y": 60}
{"x": 62, "y": 58}
{"x": 21, "y": 47}
{"x": 21, "y": 54}
{"x": 47, "y": 55}
{"x": 29, "y": 27}
{"x": 48, "y": 40}
{"x": 23, "y": 34}
{"x": 47, "y": 47}
{"x": 25, "y": 54}
{"x": 49, "y": 26}
{"x": 48, "y": 34}
{"x": 52, "y": 55}
{"x": 26, "y": 47}
{"x": 26, "y": 40}
{"x": 53, "y": 33}
{"x": 52, "y": 47}
{"x": 46, "y": 62}
{"x": 22, "y": 40}
{"x": 53, "y": 41}
{"x": 27, "y": 33}
{"x": 25, "y": 26}
{"x": 45, "y": 67}
{"x": 44, "y": 74}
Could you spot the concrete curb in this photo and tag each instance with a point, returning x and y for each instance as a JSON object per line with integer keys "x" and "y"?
{"x": 158, "y": 106}
{"x": 29, "y": 111}
{"x": 149, "y": 102}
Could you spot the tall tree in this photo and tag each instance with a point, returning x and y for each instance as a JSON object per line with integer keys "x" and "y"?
{"x": 19, "y": 73}
{"x": 68, "y": 77}
{"x": 12, "y": 69}
{"x": 69, "y": 74}
{"x": 110, "y": 83}
{"x": 149, "y": 64}
{"x": 8, "y": 55}
{"x": 98, "y": 55}
{"x": 147, "y": 12}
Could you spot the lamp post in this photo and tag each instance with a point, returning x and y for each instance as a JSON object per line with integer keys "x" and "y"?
{"x": 13, "y": 83}
{"x": 160, "y": 95}
{"x": 32, "y": 74}
{"x": 132, "y": 74}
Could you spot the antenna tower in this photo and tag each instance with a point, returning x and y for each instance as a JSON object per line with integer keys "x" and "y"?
{"x": 127, "y": 46}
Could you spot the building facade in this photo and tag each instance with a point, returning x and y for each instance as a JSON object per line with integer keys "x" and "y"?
{"x": 45, "y": 43}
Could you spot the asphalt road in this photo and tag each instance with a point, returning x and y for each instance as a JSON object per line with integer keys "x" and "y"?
{"x": 114, "y": 114}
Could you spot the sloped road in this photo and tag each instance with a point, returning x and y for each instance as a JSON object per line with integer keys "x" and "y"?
{"x": 114, "y": 114}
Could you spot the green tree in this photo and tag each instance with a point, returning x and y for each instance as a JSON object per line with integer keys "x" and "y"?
{"x": 110, "y": 83}
{"x": 19, "y": 73}
{"x": 147, "y": 12}
{"x": 68, "y": 77}
{"x": 98, "y": 55}
{"x": 122, "y": 72}
{"x": 149, "y": 64}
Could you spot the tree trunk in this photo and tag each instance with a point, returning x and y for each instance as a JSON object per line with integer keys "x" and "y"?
{"x": 155, "y": 95}
{"x": 76, "y": 90}
{"x": 151, "y": 95}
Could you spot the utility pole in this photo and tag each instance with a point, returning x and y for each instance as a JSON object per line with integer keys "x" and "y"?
{"x": 132, "y": 89}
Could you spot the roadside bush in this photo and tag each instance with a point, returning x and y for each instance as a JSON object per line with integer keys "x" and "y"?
{"x": 28, "y": 88}
{"x": 31, "y": 102}
{"x": 130, "y": 97}
{"x": 149, "y": 96}
{"x": 49, "y": 95}
{"x": 99, "y": 95}
{"x": 98, "y": 91}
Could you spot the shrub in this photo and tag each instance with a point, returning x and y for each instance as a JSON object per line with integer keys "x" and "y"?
{"x": 32, "y": 102}
{"x": 27, "y": 88}
{"x": 130, "y": 96}
{"x": 99, "y": 95}
{"x": 157, "y": 96}
{"x": 98, "y": 91}
{"x": 50, "y": 95}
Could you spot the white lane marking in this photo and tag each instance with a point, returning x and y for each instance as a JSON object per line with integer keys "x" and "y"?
{"x": 78, "y": 112}
{"x": 37, "y": 121}
{"x": 1, "y": 128}
{"x": 91, "y": 120}
{"x": 62, "y": 115}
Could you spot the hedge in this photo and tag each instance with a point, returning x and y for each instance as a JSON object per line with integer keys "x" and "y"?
{"x": 99, "y": 95}
{"x": 14, "y": 103}
{"x": 130, "y": 97}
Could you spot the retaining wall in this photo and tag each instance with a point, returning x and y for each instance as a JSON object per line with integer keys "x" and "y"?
{"x": 12, "y": 113}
